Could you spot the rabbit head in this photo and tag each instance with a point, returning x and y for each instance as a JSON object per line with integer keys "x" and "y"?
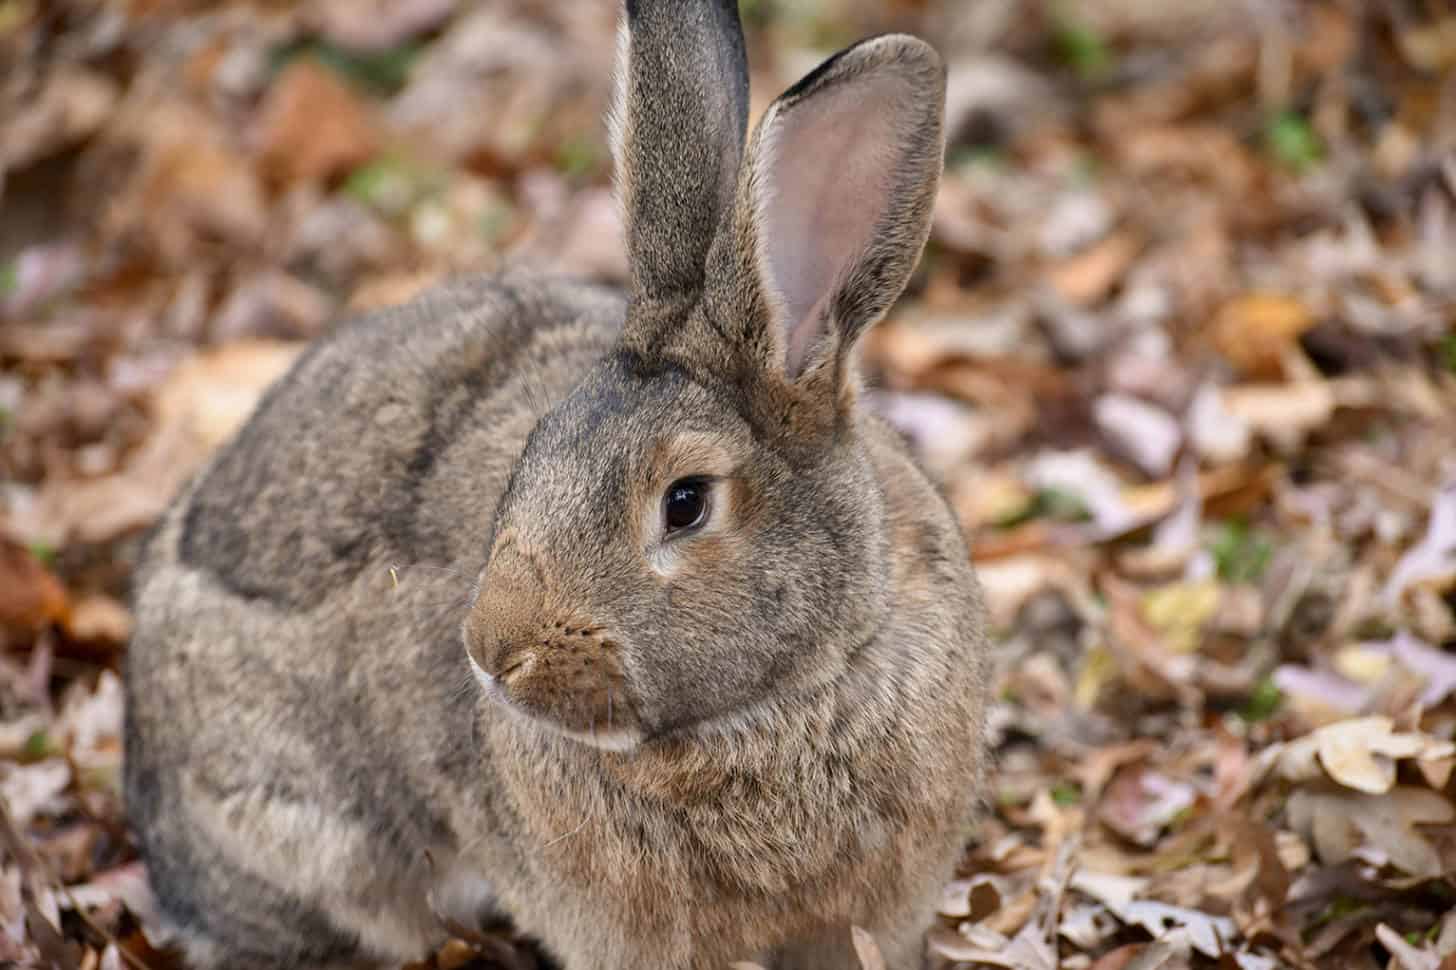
{"x": 696, "y": 533}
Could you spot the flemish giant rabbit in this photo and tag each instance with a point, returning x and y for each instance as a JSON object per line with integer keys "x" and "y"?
{"x": 618, "y": 618}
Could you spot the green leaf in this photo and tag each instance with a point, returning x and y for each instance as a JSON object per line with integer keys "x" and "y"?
{"x": 980, "y": 158}
{"x": 1081, "y": 47}
{"x": 9, "y": 279}
{"x": 1291, "y": 140}
{"x": 382, "y": 73}
{"x": 758, "y": 13}
{"x": 1263, "y": 702}
{"x": 1447, "y": 350}
{"x": 392, "y": 185}
{"x": 578, "y": 157}
{"x": 1066, "y": 793}
{"x": 1048, "y": 503}
{"x": 1242, "y": 553}
{"x": 43, "y": 551}
{"x": 37, "y": 746}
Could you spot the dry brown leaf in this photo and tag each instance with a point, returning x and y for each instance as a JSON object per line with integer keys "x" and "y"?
{"x": 98, "y": 617}
{"x": 71, "y": 106}
{"x": 377, "y": 292}
{"x": 377, "y": 25}
{"x": 1433, "y": 559}
{"x": 200, "y": 404}
{"x": 1139, "y": 803}
{"x": 1344, "y": 823}
{"x": 1142, "y": 432}
{"x": 193, "y": 184}
{"x": 1359, "y": 753}
{"x": 1430, "y": 47}
{"x": 1180, "y": 611}
{"x": 30, "y": 596}
{"x": 1087, "y": 278}
{"x": 1256, "y": 332}
{"x": 312, "y": 125}
{"x": 1283, "y": 413}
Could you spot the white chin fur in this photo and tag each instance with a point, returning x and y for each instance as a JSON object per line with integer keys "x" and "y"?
{"x": 485, "y": 680}
{"x": 616, "y": 739}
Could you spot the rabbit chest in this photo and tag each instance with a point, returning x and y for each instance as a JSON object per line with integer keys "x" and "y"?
{"x": 728, "y": 845}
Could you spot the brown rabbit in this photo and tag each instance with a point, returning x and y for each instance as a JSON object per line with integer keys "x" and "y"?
{"x": 720, "y": 687}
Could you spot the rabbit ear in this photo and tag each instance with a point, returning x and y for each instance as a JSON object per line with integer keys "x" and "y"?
{"x": 834, "y": 205}
{"x": 677, "y": 129}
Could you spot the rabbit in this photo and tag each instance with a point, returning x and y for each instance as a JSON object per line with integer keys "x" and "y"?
{"x": 614, "y": 616}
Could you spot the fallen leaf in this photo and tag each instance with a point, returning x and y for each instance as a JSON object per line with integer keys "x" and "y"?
{"x": 1406, "y": 956}
{"x": 1087, "y": 278}
{"x": 1361, "y": 664}
{"x": 1139, "y": 803}
{"x": 1434, "y": 557}
{"x": 1216, "y": 433}
{"x": 198, "y": 407}
{"x": 1284, "y": 413}
{"x": 378, "y": 25}
{"x": 31, "y": 789}
{"x": 193, "y": 183}
{"x": 1207, "y": 934}
{"x": 1180, "y": 612}
{"x": 1143, "y": 432}
{"x": 1322, "y": 696}
{"x": 98, "y": 617}
{"x": 312, "y": 125}
{"x": 1074, "y": 220}
{"x": 1361, "y": 753}
{"x": 69, "y": 107}
{"x": 1343, "y": 823}
{"x": 1429, "y": 46}
{"x": 30, "y": 595}
{"x": 1257, "y": 332}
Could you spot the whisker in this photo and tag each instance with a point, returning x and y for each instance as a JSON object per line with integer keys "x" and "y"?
{"x": 455, "y": 571}
{"x": 567, "y": 835}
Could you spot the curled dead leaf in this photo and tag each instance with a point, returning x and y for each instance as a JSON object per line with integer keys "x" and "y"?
{"x": 1341, "y": 824}
{"x": 313, "y": 126}
{"x": 1257, "y": 331}
{"x": 30, "y": 595}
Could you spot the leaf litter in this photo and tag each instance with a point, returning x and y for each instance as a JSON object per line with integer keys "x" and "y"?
{"x": 1182, "y": 353}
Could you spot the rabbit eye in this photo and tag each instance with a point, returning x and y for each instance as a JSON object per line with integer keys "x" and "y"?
{"x": 685, "y": 505}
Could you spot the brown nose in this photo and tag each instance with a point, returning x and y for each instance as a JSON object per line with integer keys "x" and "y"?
{"x": 546, "y": 658}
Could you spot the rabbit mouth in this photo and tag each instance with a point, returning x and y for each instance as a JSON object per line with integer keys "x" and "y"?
{"x": 601, "y": 718}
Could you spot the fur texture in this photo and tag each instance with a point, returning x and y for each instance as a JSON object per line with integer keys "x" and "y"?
{"x": 419, "y": 646}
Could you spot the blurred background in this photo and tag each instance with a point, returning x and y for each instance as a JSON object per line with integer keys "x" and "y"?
{"x": 1182, "y": 351}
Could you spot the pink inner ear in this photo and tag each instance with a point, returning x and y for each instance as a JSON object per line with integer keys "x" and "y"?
{"x": 827, "y": 173}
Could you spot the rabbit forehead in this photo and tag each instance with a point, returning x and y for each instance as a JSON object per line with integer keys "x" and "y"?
{"x": 624, "y": 424}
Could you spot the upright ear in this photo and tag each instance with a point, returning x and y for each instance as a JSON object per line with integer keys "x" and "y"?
{"x": 677, "y": 130}
{"x": 834, "y": 205}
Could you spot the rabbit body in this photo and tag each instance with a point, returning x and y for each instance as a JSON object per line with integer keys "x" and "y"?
{"x": 422, "y": 649}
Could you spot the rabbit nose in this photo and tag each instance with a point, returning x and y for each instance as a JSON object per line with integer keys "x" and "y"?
{"x": 549, "y": 662}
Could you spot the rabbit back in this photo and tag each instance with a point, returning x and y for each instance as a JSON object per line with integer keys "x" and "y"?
{"x": 297, "y": 696}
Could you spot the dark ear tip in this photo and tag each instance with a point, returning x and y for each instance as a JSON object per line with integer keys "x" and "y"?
{"x": 903, "y": 55}
{"x": 907, "y": 52}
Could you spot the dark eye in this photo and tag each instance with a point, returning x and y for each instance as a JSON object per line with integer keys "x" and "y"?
{"x": 685, "y": 505}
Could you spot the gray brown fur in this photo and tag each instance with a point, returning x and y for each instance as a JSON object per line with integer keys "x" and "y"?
{"x": 316, "y": 775}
